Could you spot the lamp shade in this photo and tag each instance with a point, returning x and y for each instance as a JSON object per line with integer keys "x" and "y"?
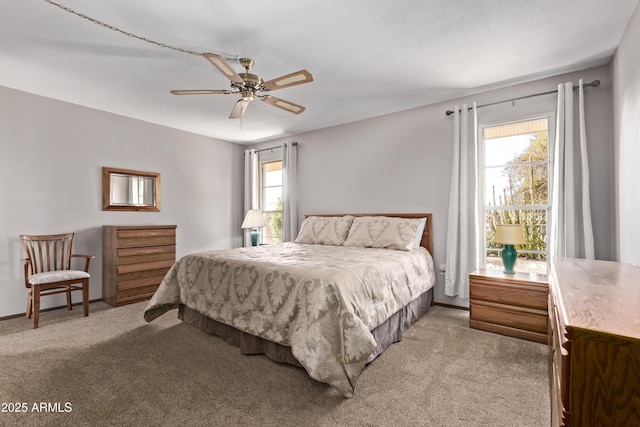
{"x": 509, "y": 234}
{"x": 254, "y": 219}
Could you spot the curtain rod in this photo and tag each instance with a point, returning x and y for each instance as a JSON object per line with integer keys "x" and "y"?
{"x": 272, "y": 148}
{"x": 594, "y": 83}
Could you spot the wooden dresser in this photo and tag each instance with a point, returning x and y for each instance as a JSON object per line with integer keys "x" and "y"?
{"x": 509, "y": 304}
{"x": 135, "y": 259}
{"x": 594, "y": 342}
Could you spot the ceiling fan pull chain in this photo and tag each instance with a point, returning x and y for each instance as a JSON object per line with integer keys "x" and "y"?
{"x": 228, "y": 57}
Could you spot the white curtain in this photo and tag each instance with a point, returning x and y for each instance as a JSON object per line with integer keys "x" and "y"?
{"x": 571, "y": 232}
{"x": 462, "y": 226}
{"x": 251, "y": 187}
{"x": 289, "y": 191}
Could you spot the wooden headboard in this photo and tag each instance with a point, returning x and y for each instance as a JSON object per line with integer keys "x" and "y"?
{"x": 427, "y": 234}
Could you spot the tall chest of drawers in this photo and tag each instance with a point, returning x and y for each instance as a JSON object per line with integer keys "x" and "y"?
{"x": 135, "y": 260}
{"x": 594, "y": 343}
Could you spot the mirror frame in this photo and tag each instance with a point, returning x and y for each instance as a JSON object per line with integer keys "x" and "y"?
{"x": 106, "y": 190}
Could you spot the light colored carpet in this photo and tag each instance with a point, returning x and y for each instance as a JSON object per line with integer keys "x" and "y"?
{"x": 112, "y": 368}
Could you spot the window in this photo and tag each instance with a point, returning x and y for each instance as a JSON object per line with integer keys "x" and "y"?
{"x": 271, "y": 201}
{"x": 514, "y": 189}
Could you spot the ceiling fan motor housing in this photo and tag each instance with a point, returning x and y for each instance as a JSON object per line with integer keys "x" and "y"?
{"x": 250, "y": 79}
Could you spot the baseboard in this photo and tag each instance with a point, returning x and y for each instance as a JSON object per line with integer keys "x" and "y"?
{"x": 44, "y": 310}
{"x": 441, "y": 304}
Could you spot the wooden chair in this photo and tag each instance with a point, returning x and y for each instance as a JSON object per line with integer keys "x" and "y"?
{"x": 47, "y": 271}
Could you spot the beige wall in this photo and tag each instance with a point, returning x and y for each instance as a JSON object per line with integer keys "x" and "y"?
{"x": 51, "y": 155}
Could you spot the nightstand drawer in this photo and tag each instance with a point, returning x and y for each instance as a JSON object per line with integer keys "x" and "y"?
{"x": 509, "y": 293}
{"x": 511, "y": 316}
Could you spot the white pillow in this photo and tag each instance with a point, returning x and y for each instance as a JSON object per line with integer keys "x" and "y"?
{"x": 385, "y": 232}
{"x": 419, "y": 231}
{"x": 324, "y": 230}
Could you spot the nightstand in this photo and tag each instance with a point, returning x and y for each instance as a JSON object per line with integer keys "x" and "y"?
{"x": 509, "y": 304}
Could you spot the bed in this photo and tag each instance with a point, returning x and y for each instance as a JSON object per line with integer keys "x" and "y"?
{"x": 330, "y": 302}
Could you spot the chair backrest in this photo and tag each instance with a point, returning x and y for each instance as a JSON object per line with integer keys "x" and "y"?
{"x": 48, "y": 252}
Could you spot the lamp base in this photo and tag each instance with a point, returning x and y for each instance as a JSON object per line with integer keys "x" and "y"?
{"x": 255, "y": 236}
{"x": 509, "y": 256}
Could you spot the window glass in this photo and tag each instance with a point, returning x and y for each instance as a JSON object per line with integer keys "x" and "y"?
{"x": 514, "y": 187}
{"x": 271, "y": 201}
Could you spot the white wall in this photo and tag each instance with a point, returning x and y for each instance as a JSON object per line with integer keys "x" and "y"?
{"x": 401, "y": 162}
{"x": 626, "y": 102}
{"x": 51, "y": 155}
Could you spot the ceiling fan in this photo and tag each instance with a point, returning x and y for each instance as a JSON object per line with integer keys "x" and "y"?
{"x": 251, "y": 86}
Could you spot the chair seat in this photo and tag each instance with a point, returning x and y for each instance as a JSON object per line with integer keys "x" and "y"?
{"x": 57, "y": 276}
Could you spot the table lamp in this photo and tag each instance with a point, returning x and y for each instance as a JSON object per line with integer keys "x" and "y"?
{"x": 509, "y": 235}
{"x": 254, "y": 220}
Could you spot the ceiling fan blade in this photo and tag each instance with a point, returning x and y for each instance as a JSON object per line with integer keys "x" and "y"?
{"x": 239, "y": 108}
{"x": 201, "y": 92}
{"x": 221, "y": 64}
{"x": 285, "y": 105}
{"x": 293, "y": 79}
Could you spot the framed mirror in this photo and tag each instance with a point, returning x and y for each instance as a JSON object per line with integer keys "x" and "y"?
{"x": 130, "y": 190}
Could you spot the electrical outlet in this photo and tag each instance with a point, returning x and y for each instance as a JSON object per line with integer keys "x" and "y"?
{"x": 442, "y": 269}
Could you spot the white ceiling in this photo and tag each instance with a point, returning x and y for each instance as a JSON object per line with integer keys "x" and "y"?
{"x": 367, "y": 57}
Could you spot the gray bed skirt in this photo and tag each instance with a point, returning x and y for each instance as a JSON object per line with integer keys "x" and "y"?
{"x": 389, "y": 332}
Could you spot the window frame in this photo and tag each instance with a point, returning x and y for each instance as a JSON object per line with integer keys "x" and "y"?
{"x": 261, "y": 193}
{"x": 483, "y": 249}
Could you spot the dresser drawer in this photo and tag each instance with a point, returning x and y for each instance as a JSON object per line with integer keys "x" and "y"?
{"x": 145, "y": 254}
{"x": 146, "y": 237}
{"x": 144, "y": 266}
{"x": 136, "y": 294}
{"x": 141, "y": 282}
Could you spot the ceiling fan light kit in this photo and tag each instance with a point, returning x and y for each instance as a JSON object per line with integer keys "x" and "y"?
{"x": 250, "y": 86}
